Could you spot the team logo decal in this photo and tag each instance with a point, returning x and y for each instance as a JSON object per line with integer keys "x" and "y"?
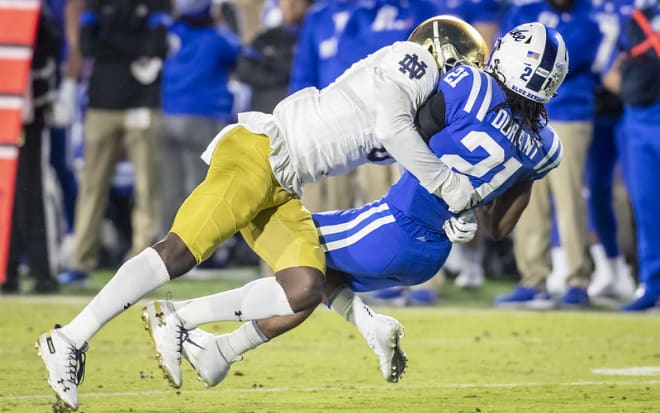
{"x": 519, "y": 35}
{"x": 410, "y": 64}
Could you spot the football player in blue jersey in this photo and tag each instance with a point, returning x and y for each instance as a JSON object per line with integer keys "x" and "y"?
{"x": 490, "y": 125}
{"x": 635, "y": 78}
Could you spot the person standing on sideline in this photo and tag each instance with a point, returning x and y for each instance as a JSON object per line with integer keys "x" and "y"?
{"x": 571, "y": 115}
{"x": 635, "y": 77}
{"x": 127, "y": 41}
{"x": 29, "y": 232}
{"x": 265, "y": 64}
{"x": 612, "y": 276}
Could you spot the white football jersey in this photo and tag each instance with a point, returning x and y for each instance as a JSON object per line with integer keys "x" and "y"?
{"x": 367, "y": 114}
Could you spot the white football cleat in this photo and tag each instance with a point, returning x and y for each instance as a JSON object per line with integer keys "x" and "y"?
{"x": 168, "y": 334}
{"x": 385, "y": 341}
{"x": 611, "y": 277}
{"x": 202, "y": 351}
{"x": 471, "y": 272}
{"x": 624, "y": 284}
{"x": 472, "y": 276}
{"x": 66, "y": 367}
{"x": 603, "y": 276}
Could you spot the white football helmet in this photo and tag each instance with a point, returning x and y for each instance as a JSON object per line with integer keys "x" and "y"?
{"x": 531, "y": 60}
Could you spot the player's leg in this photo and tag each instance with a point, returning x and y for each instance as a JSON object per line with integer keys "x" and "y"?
{"x": 643, "y": 156}
{"x": 369, "y": 249}
{"x": 192, "y": 239}
{"x": 566, "y": 184}
{"x": 599, "y": 176}
{"x": 238, "y": 181}
{"x": 286, "y": 239}
{"x": 243, "y": 196}
{"x": 601, "y": 160}
{"x": 64, "y": 356}
{"x": 103, "y": 129}
{"x": 382, "y": 333}
{"x": 212, "y": 355}
{"x": 356, "y": 238}
{"x": 531, "y": 247}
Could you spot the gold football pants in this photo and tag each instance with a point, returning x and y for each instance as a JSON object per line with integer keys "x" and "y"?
{"x": 240, "y": 193}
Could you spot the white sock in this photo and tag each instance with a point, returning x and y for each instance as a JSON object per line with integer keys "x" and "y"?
{"x": 135, "y": 278}
{"x": 353, "y": 309}
{"x": 245, "y": 338}
{"x": 262, "y": 298}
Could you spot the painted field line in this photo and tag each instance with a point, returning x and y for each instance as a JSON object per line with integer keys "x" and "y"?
{"x": 630, "y": 371}
{"x": 340, "y": 389}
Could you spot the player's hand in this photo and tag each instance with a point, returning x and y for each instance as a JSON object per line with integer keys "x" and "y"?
{"x": 458, "y": 193}
{"x": 146, "y": 69}
{"x": 462, "y": 228}
{"x": 64, "y": 107}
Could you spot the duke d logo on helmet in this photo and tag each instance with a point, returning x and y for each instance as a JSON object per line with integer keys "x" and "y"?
{"x": 412, "y": 65}
{"x": 519, "y": 35}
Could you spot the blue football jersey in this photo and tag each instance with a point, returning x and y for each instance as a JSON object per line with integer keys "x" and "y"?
{"x": 477, "y": 141}
{"x": 610, "y": 16}
{"x": 475, "y": 11}
{"x": 315, "y": 63}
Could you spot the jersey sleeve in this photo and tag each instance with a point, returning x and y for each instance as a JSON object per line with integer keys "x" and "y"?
{"x": 405, "y": 75}
{"x": 551, "y": 155}
{"x": 468, "y": 92}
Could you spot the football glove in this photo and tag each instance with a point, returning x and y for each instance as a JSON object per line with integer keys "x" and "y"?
{"x": 462, "y": 228}
{"x": 457, "y": 191}
{"x": 64, "y": 107}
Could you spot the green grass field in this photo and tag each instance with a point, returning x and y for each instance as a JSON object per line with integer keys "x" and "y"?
{"x": 461, "y": 360}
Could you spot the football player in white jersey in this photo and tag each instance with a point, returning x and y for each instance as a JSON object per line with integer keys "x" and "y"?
{"x": 490, "y": 124}
{"x": 256, "y": 171}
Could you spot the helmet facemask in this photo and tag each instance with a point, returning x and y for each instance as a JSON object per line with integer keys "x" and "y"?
{"x": 451, "y": 41}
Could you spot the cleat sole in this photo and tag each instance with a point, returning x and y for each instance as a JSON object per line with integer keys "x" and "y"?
{"x": 159, "y": 358}
{"x": 60, "y": 406}
{"x": 399, "y": 358}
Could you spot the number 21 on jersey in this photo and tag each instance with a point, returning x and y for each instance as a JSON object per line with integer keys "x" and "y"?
{"x": 495, "y": 158}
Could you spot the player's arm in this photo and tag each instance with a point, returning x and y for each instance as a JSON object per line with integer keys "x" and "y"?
{"x": 73, "y": 63}
{"x": 612, "y": 78}
{"x": 430, "y": 117}
{"x": 502, "y": 214}
{"x": 398, "y": 97}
